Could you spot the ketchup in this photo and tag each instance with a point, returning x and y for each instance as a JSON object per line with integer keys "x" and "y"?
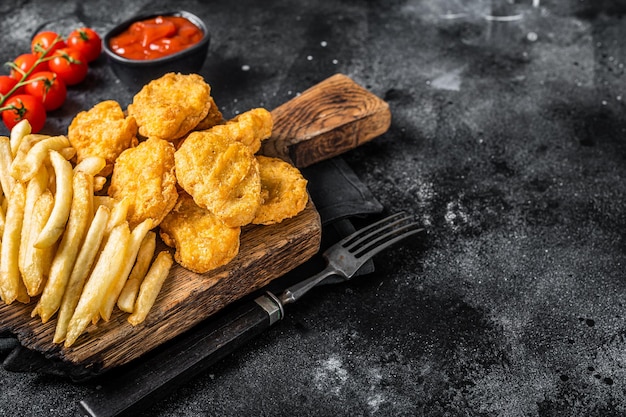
{"x": 155, "y": 38}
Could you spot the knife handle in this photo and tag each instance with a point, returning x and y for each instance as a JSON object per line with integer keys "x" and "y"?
{"x": 156, "y": 376}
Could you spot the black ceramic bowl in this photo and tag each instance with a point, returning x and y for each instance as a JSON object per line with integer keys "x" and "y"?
{"x": 137, "y": 73}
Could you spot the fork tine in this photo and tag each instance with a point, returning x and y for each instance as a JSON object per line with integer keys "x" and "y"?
{"x": 374, "y": 228}
{"x": 388, "y": 239}
{"x": 387, "y": 224}
{"x": 345, "y": 257}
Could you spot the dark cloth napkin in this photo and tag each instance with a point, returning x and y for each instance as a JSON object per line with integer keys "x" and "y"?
{"x": 337, "y": 191}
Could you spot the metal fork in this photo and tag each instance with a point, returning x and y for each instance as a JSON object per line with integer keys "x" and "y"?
{"x": 345, "y": 257}
{"x": 153, "y": 378}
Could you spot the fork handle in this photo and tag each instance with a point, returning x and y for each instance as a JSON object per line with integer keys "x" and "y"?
{"x": 159, "y": 374}
{"x": 293, "y": 293}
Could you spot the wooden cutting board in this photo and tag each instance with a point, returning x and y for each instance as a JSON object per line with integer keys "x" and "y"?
{"x": 324, "y": 121}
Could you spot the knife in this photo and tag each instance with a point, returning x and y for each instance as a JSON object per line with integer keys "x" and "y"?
{"x": 139, "y": 384}
{"x": 327, "y": 119}
{"x": 330, "y": 118}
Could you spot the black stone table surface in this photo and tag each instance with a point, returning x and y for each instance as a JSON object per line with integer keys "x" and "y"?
{"x": 508, "y": 143}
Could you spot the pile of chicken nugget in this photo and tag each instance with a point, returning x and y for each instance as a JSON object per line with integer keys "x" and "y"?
{"x": 81, "y": 213}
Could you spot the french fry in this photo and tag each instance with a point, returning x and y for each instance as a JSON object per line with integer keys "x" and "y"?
{"x": 119, "y": 211}
{"x": 19, "y": 131}
{"x": 34, "y": 189}
{"x": 26, "y": 145}
{"x": 52, "y": 185}
{"x": 22, "y": 295}
{"x": 1, "y": 220}
{"x": 68, "y": 153}
{"x": 99, "y": 182}
{"x": 2, "y": 296}
{"x": 151, "y": 286}
{"x": 62, "y": 202}
{"x": 63, "y": 262}
{"x": 36, "y": 260}
{"x": 126, "y": 300}
{"x": 10, "y": 279}
{"x": 103, "y": 200}
{"x": 136, "y": 237}
{"x": 92, "y": 165}
{"x": 84, "y": 261}
{"x": 107, "y": 266}
{"x": 96, "y": 318}
{"x": 6, "y": 160}
{"x": 24, "y": 168}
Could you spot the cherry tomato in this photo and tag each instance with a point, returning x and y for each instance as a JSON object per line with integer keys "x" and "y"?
{"x": 45, "y": 40}
{"x": 23, "y": 63}
{"x": 6, "y": 84}
{"x": 87, "y": 42}
{"x": 24, "y": 106}
{"x": 48, "y": 88}
{"x": 70, "y": 65}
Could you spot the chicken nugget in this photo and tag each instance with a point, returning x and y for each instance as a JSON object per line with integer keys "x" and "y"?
{"x": 145, "y": 175}
{"x": 221, "y": 175}
{"x": 202, "y": 241}
{"x": 171, "y": 106}
{"x": 283, "y": 190}
{"x": 249, "y": 128}
{"x": 214, "y": 117}
{"x": 102, "y": 131}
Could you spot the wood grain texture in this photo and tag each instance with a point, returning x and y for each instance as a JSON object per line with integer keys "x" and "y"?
{"x": 326, "y": 120}
{"x": 186, "y": 298}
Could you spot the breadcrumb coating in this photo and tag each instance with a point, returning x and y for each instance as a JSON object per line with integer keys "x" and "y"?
{"x": 102, "y": 131}
{"x": 283, "y": 190}
{"x": 214, "y": 117}
{"x": 145, "y": 175}
{"x": 249, "y": 128}
{"x": 202, "y": 241}
{"x": 221, "y": 175}
{"x": 171, "y": 106}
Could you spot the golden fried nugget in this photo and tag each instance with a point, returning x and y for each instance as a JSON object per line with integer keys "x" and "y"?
{"x": 214, "y": 117}
{"x": 145, "y": 176}
{"x": 171, "y": 106}
{"x": 102, "y": 131}
{"x": 202, "y": 241}
{"x": 283, "y": 189}
{"x": 249, "y": 128}
{"x": 221, "y": 175}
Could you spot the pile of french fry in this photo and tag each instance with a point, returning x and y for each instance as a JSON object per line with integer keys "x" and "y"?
{"x": 66, "y": 245}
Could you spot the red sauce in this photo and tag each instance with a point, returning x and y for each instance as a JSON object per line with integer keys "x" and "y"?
{"x": 155, "y": 38}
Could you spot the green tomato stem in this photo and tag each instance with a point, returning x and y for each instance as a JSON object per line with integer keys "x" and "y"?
{"x": 41, "y": 58}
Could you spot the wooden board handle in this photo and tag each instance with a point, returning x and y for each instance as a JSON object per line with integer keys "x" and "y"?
{"x": 326, "y": 120}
